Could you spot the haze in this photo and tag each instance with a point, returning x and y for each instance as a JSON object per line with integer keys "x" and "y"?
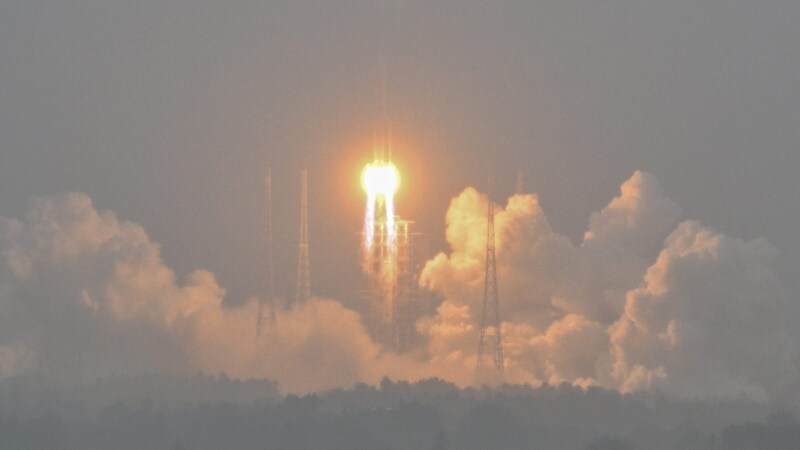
{"x": 655, "y": 249}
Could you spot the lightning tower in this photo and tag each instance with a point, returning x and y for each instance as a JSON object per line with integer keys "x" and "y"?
{"x": 490, "y": 339}
{"x": 270, "y": 268}
{"x": 303, "y": 290}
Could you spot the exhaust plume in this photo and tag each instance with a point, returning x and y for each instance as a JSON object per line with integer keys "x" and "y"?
{"x": 643, "y": 302}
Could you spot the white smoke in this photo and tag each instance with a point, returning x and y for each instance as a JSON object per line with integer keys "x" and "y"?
{"x": 697, "y": 314}
{"x": 623, "y": 239}
{"x": 85, "y": 295}
{"x": 641, "y": 303}
{"x": 709, "y": 320}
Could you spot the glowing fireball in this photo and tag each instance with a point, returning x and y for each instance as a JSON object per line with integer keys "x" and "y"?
{"x": 380, "y": 178}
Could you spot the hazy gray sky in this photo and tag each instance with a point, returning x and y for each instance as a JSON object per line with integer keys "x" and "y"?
{"x": 168, "y": 112}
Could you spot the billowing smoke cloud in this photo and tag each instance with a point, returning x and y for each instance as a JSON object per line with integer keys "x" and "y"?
{"x": 84, "y": 295}
{"x": 708, "y": 320}
{"x": 643, "y": 302}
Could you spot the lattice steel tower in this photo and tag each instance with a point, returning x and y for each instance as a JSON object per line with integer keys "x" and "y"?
{"x": 270, "y": 297}
{"x": 303, "y": 290}
{"x": 490, "y": 339}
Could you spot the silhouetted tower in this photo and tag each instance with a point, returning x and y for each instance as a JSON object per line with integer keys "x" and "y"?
{"x": 270, "y": 296}
{"x": 303, "y": 290}
{"x": 490, "y": 339}
{"x": 520, "y": 182}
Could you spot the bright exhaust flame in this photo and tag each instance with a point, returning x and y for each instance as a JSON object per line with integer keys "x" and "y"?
{"x": 380, "y": 180}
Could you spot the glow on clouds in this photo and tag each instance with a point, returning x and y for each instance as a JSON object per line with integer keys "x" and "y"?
{"x": 642, "y": 302}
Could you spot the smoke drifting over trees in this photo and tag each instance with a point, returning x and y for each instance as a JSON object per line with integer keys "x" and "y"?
{"x": 202, "y": 412}
{"x": 644, "y": 302}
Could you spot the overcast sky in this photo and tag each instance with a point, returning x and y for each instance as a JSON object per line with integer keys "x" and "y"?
{"x": 167, "y": 112}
